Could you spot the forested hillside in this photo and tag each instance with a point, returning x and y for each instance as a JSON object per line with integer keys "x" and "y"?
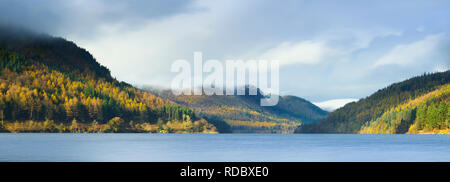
{"x": 354, "y": 117}
{"x": 49, "y": 84}
{"x": 244, "y": 113}
{"x": 429, "y": 113}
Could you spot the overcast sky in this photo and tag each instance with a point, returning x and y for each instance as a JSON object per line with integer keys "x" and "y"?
{"x": 327, "y": 49}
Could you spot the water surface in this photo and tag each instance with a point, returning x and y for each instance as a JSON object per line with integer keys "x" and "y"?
{"x": 222, "y": 147}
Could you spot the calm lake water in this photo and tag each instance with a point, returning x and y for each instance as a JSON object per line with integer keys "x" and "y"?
{"x": 223, "y": 147}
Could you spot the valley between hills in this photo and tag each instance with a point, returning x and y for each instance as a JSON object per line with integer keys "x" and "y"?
{"x": 49, "y": 84}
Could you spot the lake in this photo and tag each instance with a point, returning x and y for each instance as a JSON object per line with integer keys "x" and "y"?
{"x": 222, "y": 147}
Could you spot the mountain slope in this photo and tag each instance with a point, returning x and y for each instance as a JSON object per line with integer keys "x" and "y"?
{"x": 244, "y": 113}
{"x": 55, "y": 52}
{"x": 353, "y": 116}
{"x": 429, "y": 113}
{"x": 49, "y": 84}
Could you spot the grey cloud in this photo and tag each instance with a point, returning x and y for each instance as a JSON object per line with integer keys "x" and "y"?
{"x": 83, "y": 17}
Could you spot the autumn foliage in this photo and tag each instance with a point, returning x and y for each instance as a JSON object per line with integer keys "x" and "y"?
{"x": 50, "y": 85}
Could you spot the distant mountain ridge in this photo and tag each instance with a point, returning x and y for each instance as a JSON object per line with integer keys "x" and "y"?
{"x": 357, "y": 116}
{"x": 244, "y": 113}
